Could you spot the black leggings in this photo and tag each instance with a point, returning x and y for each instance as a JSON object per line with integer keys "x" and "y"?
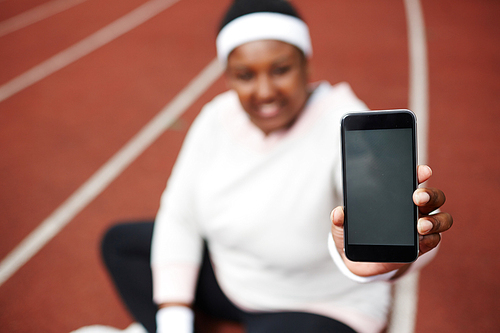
{"x": 126, "y": 251}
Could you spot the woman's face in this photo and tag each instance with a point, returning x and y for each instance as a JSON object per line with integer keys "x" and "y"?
{"x": 270, "y": 78}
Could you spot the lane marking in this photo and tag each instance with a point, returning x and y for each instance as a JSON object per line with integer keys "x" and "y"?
{"x": 404, "y": 308}
{"x": 36, "y": 14}
{"x": 100, "y": 38}
{"x": 51, "y": 226}
{"x": 418, "y": 98}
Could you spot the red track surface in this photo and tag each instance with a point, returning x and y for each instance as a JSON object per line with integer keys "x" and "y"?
{"x": 55, "y": 134}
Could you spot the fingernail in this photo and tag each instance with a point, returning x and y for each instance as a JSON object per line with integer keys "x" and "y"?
{"x": 336, "y": 212}
{"x": 423, "y": 197}
{"x": 429, "y": 170}
{"x": 424, "y": 226}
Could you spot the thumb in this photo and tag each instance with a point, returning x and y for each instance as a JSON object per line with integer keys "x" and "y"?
{"x": 337, "y": 217}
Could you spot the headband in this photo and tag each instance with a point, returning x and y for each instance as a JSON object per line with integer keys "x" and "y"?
{"x": 263, "y": 26}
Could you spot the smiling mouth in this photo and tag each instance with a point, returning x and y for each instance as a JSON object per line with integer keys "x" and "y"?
{"x": 268, "y": 110}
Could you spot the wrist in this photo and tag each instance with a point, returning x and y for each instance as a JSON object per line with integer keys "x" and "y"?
{"x": 339, "y": 262}
{"x": 174, "y": 318}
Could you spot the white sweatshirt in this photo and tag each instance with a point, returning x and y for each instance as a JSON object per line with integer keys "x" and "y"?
{"x": 263, "y": 204}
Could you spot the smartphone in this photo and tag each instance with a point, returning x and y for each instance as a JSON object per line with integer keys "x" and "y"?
{"x": 379, "y": 170}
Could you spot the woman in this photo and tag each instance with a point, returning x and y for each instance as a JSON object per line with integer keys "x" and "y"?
{"x": 256, "y": 179}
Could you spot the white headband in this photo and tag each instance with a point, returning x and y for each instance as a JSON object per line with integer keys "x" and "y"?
{"x": 263, "y": 26}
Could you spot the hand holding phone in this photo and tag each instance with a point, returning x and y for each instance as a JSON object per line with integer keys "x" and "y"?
{"x": 379, "y": 162}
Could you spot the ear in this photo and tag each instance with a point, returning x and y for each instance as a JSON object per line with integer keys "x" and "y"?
{"x": 308, "y": 68}
{"x": 305, "y": 63}
{"x": 227, "y": 79}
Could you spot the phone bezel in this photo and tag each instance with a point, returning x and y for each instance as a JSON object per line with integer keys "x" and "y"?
{"x": 384, "y": 119}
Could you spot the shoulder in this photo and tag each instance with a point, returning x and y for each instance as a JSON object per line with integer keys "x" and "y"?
{"x": 340, "y": 97}
{"x": 329, "y": 103}
{"x": 209, "y": 120}
{"x": 223, "y": 103}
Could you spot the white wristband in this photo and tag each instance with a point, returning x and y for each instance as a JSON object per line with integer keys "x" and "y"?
{"x": 175, "y": 319}
{"x": 343, "y": 268}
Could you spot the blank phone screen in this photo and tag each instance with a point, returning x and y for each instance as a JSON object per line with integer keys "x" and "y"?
{"x": 380, "y": 184}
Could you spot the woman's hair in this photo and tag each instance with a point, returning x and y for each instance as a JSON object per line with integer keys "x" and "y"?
{"x": 244, "y": 7}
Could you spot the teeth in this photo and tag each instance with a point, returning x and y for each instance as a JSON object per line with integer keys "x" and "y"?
{"x": 269, "y": 109}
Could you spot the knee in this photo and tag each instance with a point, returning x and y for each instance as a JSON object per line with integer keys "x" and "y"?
{"x": 127, "y": 239}
{"x": 111, "y": 241}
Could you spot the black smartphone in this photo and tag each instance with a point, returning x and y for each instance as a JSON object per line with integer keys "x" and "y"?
{"x": 379, "y": 169}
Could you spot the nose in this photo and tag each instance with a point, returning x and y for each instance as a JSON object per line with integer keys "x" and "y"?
{"x": 265, "y": 89}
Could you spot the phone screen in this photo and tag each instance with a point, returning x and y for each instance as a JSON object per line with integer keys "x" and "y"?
{"x": 379, "y": 166}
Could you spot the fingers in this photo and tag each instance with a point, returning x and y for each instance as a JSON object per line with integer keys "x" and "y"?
{"x": 428, "y": 242}
{"x": 424, "y": 172}
{"x": 428, "y": 199}
{"x": 430, "y": 227}
{"x": 434, "y": 224}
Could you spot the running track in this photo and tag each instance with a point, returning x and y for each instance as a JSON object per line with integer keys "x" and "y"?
{"x": 61, "y": 128}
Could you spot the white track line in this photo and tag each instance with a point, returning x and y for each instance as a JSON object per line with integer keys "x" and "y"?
{"x": 100, "y": 38}
{"x": 419, "y": 82}
{"x": 405, "y": 301}
{"x": 51, "y": 226}
{"x": 35, "y": 15}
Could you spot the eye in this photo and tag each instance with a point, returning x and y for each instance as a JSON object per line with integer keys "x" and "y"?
{"x": 244, "y": 76}
{"x": 280, "y": 70}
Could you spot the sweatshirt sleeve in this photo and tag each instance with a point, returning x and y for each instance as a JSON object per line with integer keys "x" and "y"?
{"x": 177, "y": 244}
